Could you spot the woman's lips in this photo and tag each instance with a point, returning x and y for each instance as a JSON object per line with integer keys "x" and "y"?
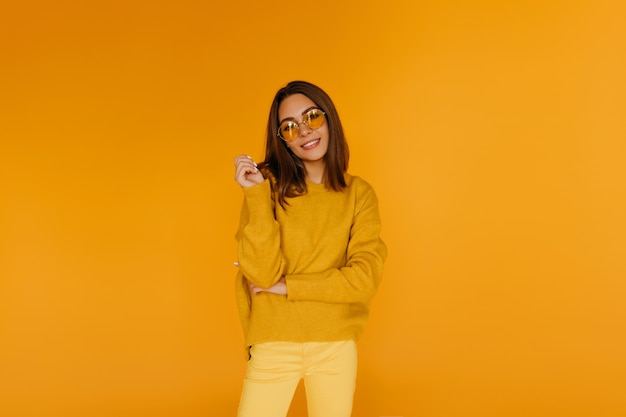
{"x": 311, "y": 144}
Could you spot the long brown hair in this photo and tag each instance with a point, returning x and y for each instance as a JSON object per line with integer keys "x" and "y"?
{"x": 286, "y": 169}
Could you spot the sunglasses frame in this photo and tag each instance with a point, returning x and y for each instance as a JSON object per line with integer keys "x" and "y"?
{"x": 302, "y": 121}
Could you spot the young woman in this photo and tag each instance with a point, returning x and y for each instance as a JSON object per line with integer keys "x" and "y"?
{"x": 310, "y": 259}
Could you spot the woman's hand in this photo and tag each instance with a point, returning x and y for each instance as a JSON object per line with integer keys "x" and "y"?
{"x": 279, "y": 288}
{"x": 246, "y": 172}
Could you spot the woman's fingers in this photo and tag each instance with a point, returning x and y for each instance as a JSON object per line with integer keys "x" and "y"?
{"x": 279, "y": 288}
{"x": 244, "y": 163}
{"x": 245, "y": 159}
{"x": 255, "y": 290}
{"x": 246, "y": 171}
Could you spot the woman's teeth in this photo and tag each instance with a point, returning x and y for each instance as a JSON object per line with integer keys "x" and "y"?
{"x": 310, "y": 144}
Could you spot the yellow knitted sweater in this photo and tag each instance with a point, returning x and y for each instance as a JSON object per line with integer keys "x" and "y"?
{"x": 327, "y": 246}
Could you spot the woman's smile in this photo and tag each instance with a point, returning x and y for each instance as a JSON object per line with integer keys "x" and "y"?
{"x": 311, "y": 144}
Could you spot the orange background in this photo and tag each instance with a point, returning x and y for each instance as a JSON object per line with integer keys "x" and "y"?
{"x": 494, "y": 133}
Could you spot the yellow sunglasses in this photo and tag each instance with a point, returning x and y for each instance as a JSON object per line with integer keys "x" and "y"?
{"x": 289, "y": 129}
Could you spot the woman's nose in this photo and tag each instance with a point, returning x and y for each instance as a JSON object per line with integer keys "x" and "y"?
{"x": 303, "y": 129}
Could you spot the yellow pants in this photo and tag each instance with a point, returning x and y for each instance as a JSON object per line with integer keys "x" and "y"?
{"x": 276, "y": 368}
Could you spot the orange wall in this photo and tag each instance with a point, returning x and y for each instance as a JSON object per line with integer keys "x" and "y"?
{"x": 493, "y": 132}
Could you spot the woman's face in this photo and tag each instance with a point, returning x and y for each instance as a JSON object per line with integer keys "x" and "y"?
{"x": 311, "y": 144}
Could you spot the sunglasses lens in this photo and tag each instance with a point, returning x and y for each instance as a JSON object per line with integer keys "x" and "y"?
{"x": 314, "y": 119}
{"x": 288, "y": 130}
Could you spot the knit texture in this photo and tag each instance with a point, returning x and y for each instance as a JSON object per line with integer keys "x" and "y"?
{"x": 327, "y": 245}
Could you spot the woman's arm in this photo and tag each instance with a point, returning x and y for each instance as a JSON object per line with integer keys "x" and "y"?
{"x": 259, "y": 255}
{"x": 358, "y": 280}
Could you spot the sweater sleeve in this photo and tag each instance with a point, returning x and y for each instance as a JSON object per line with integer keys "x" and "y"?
{"x": 358, "y": 280}
{"x": 260, "y": 257}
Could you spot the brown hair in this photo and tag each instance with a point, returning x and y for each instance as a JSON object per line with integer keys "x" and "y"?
{"x": 286, "y": 170}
